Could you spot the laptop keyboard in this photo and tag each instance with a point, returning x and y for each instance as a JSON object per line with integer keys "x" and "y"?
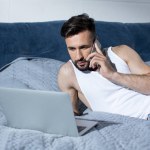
{"x": 80, "y": 128}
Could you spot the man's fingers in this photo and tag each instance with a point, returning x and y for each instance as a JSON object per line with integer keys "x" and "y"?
{"x": 96, "y": 61}
{"x": 98, "y": 46}
{"x": 90, "y": 56}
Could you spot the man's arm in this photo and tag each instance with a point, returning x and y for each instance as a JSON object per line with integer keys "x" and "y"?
{"x": 139, "y": 83}
{"x": 66, "y": 85}
{"x": 138, "y": 80}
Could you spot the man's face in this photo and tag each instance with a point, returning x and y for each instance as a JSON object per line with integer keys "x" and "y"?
{"x": 79, "y": 47}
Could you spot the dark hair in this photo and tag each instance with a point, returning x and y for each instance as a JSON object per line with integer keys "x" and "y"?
{"x": 77, "y": 24}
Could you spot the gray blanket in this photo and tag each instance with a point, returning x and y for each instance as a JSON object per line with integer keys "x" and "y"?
{"x": 113, "y": 132}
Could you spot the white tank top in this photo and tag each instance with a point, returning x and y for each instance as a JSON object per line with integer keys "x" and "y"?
{"x": 106, "y": 96}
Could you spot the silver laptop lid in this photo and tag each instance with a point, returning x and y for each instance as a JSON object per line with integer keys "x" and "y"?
{"x": 46, "y": 111}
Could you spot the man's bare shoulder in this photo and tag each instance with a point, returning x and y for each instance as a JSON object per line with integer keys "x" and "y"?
{"x": 66, "y": 69}
{"x": 120, "y": 49}
{"x": 66, "y": 76}
{"x": 132, "y": 59}
{"x": 125, "y": 52}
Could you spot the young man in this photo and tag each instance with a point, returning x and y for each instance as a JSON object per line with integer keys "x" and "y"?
{"x": 115, "y": 82}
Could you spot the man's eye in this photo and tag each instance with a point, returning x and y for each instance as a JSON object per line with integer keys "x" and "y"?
{"x": 84, "y": 48}
{"x": 71, "y": 49}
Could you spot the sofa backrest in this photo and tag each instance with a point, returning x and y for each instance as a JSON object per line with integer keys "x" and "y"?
{"x": 43, "y": 39}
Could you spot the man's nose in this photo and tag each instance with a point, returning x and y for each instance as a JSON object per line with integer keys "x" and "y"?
{"x": 78, "y": 54}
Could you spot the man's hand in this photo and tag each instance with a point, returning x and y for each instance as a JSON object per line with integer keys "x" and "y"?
{"x": 97, "y": 59}
{"x": 138, "y": 80}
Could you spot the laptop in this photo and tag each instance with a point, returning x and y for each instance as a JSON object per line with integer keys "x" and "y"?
{"x": 46, "y": 111}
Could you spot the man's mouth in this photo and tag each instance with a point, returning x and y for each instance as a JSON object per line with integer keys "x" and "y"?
{"x": 82, "y": 64}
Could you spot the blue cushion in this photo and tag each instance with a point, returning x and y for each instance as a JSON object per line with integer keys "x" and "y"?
{"x": 31, "y": 39}
{"x": 42, "y": 39}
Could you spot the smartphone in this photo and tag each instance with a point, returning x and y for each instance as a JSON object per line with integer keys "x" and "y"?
{"x": 92, "y": 51}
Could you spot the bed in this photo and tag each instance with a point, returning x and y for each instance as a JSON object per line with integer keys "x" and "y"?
{"x": 30, "y": 57}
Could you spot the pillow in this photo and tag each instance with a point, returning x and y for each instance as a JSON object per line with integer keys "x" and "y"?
{"x": 31, "y": 73}
{"x": 148, "y": 63}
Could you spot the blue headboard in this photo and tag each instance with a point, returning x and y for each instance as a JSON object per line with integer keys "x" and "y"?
{"x": 43, "y": 39}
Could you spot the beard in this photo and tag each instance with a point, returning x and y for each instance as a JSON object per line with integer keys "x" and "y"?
{"x": 83, "y": 65}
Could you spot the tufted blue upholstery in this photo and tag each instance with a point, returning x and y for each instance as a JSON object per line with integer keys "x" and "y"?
{"x": 42, "y": 39}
